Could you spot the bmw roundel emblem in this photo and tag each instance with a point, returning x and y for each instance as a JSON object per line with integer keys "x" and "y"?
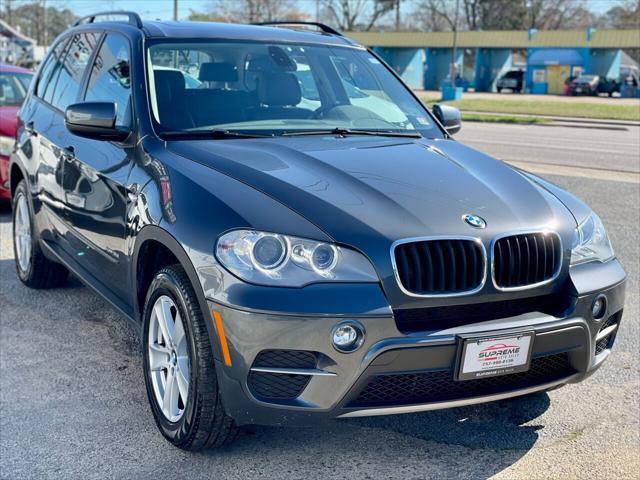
{"x": 474, "y": 220}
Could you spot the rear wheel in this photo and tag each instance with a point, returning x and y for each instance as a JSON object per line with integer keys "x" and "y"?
{"x": 179, "y": 367}
{"x": 33, "y": 268}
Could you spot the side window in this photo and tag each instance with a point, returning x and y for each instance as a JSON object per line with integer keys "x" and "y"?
{"x": 110, "y": 79}
{"x": 74, "y": 64}
{"x": 50, "y": 64}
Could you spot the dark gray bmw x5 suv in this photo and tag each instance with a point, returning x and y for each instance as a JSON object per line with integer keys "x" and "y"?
{"x": 295, "y": 235}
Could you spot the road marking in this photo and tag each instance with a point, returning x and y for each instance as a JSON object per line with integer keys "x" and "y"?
{"x": 582, "y": 172}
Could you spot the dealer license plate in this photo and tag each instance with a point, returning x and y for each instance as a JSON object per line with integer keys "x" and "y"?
{"x": 492, "y": 356}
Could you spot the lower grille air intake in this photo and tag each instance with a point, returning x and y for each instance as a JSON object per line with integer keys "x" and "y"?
{"x": 439, "y": 386}
{"x": 281, "y": 386}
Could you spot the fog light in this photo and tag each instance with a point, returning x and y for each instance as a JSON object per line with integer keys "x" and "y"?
{"x": 347, "y": 336}
{"x": 599, "y": 307}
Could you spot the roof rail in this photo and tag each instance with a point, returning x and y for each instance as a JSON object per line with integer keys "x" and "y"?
{"x": 133, "y": 18}
{"x": 293, "y": 23}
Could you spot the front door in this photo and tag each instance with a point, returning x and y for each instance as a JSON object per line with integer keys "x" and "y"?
{"x": 97, "y": 171}
{"x": 556, "y": 78}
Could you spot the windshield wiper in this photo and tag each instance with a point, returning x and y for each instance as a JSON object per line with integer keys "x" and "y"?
{"x": 215, "y": 134}
{"x": 343, "y": 132}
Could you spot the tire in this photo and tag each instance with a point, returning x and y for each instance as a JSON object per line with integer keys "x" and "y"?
{"x": 499, "y": 90}
{"x": 200, "y": 421}
{"x": 33, "y": 268}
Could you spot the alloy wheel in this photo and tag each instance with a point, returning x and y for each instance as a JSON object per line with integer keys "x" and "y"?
{"x": 168, "y": 355}
{"x": 22, "y": 232}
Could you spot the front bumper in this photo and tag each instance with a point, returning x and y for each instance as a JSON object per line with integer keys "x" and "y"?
{"x": 395, "y": 372}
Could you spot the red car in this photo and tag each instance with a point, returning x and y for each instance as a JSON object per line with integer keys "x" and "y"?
{"x": 14, "y": 83}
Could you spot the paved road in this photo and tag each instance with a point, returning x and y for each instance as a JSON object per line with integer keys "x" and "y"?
{"x": 615, "y": 149}
{"x": 73, "y": 403}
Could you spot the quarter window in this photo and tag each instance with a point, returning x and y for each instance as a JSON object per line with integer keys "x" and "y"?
{"x": 110, "y": 79}
{"x": 72, "y": 70}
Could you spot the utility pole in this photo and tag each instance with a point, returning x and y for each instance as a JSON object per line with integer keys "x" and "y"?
{"x": 9, "y": 12}
{"x": 454, "y": 50}
{"x": 398, "y": 15}
{"x": 175, "y": 10}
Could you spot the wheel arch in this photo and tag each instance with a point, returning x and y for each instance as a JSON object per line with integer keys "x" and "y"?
{"x": 148, "y": 241}
{"x": 16, "y": 174}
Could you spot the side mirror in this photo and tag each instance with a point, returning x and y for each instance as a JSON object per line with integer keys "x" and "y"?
{"x": 96, "y": 120}
{"x": 449, "y": 117}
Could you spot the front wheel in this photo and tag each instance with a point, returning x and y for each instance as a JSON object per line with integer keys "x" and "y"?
{"x": 179, "y": 366}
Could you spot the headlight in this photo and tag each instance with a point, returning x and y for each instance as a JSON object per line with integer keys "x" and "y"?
{"x": 591, "y": 242}
{"x": 6, "y": 145}
{"x": 280, "y": 260}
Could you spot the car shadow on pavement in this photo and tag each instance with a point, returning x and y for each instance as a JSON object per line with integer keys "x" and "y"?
{"x": 467, "y": 442}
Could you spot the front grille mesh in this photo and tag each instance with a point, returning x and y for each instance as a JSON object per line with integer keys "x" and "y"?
{"x": 526, "y": 259}
{"x": 281, "y": 386}
{"x": 285, "y": 359}
{"x": 437, "y": 267}
{"x": 438, "y": 386}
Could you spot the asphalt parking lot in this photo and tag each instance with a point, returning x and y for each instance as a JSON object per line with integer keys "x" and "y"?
{"x": 73, "y": 402}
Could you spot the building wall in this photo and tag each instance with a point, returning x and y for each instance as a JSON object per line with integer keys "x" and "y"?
{"x": 409, "y": 63}
{"x": 606, "y": 63}
{"x": 543, "y": 62}
{"x": 491, "y": 64}
{"x": 437, "y": 66}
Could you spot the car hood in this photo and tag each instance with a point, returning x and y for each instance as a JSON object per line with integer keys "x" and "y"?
{"x": 8, "y": 120}
{"x": 389, "y": 187}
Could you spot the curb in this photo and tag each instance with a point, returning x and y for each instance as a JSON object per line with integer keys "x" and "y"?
{"x": 577, "y": 120}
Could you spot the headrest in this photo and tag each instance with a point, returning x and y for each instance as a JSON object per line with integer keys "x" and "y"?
{"x": 278, "y": 89}
{"x": 169, "y": 84}
{"x": 218, "y": 72}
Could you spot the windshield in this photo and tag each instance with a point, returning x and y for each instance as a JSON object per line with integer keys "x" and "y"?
{"x": 274, "y": 89}
{"x": 13, "y": 87}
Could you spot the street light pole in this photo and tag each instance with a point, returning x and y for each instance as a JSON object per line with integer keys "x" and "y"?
{"x": 175, "y": 10}
{"x": 454, "y": 50}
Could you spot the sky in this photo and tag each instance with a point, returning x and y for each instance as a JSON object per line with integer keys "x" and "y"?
{"x": 163, "y": 9}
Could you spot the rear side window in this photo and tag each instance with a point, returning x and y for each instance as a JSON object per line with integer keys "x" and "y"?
{"x": 110, "y": 79}
{"x": 71, "y": 73}
{"x": 51, "y": 65}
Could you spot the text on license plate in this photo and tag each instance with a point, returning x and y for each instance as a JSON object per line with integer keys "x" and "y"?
{"x": 492, "y": 356}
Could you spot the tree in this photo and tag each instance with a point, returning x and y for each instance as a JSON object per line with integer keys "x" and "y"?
{"x": 625, "y": 15}
{"x": 249, "y": 11}
{"x": 41, "y": 23}
{"x": 352, "y": 15}
{"x": 557, "y": 14}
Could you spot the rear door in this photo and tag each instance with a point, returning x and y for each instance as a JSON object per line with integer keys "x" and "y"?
{"x": 45, "y": 132}
{"x": 97, "y": 171}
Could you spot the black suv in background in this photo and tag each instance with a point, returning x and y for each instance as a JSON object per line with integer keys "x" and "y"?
{"x": 296, "y": 237}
